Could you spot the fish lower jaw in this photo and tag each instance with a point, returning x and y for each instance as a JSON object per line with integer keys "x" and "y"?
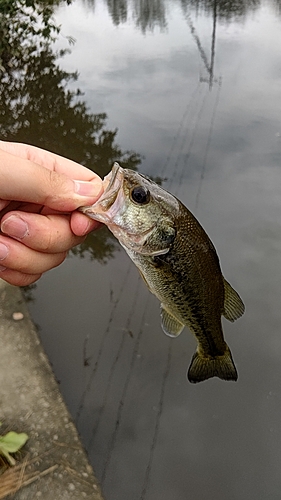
{"x": 105, "y": 209}
{"x": 95, "y": 214}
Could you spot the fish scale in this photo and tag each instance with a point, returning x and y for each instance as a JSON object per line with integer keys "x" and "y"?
{"x": 181, "y": 289}
{"x": 177, "y": 261}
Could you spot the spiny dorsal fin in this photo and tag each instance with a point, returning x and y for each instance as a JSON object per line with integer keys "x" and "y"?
{"x": 170, "y": 325}
{"x": 233, "y": 304}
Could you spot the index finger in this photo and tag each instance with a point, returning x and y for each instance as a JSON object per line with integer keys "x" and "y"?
{"x": 34, "y": 183}
{"x": 49, "y": 160}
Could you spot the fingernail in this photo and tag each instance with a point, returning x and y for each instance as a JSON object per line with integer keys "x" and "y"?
{"x": 3, "y": 251}
{"x": 15, "y": 227}
{"x": 2, "y": 268}
{"x": 89, "y": 189}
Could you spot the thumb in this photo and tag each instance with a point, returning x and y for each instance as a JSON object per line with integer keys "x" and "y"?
{"x": 24, "y": 180}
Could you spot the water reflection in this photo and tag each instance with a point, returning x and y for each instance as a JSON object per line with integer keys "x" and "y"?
{"x": 99, "y": 245}
{"x": 37, "y": 106}
{"x": 149, "y": 14}
{"x": 149, "y": 434}
{"x": 225, "y": 9}
{"x": 278, "y": 5}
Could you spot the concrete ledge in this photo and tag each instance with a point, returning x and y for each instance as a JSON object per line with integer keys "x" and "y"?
{"x": 52, "y": 465}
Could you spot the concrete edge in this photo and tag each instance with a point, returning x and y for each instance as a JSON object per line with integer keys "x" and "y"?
{"x": 52, "y": 464}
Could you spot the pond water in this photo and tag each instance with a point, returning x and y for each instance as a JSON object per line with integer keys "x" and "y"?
{"x": 194, "y": 91}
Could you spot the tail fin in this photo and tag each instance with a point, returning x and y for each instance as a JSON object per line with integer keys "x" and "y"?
{"x": 204, "y": 367}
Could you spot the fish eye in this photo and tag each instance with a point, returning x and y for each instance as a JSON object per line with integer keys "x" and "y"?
{"x": 140, "y": 195}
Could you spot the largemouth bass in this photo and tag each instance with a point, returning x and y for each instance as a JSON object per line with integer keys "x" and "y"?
{"x": 177, "y": 261}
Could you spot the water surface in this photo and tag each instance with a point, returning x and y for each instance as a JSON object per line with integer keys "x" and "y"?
{"x": 194, "y": 88}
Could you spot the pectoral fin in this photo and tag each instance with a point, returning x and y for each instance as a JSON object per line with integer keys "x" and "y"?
{"x": 233, "y": 304}
{"x": 170, "y": 325}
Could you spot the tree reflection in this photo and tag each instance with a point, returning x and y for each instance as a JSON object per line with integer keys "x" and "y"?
{"x": 149, "y": 14}
{"x": 118, "y": 10}
{"x": 37, "y": 107}
{"x": 224, "y": 9}
{"x": 277, "y": 4}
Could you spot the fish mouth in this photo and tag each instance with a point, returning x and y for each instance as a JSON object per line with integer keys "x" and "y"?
{"x": 112, "y": 184}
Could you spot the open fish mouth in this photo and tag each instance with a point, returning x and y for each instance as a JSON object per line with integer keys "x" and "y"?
{"x": 112, "y": 184}
{"x": 110, "y": 179}
{"x": 110, "y": 205}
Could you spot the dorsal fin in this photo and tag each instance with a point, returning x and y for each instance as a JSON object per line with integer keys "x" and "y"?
{"x": 233, "y": 304}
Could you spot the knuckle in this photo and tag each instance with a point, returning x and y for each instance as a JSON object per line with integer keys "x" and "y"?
{"x": 54, "y": 184}
{"x": 28, "y": 279}
{"x": 59, "y": 191}
{"x": 60, "y": 258}
{"x": 48, "y": 242}
{"x": 17, "y": 278}
{"x": 55, "y": 180}
{"x": 44, "y": 263}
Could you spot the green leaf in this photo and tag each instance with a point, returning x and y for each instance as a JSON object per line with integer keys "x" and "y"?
{"x": 11, "y": 443}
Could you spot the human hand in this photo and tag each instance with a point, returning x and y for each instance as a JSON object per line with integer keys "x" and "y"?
{"x": 39, "y": 193}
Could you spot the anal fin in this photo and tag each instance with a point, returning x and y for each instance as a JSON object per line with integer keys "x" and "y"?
{"x": 170, "y": 325}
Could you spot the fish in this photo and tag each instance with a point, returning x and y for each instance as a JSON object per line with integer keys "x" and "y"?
{"x": 177, "y": 261}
